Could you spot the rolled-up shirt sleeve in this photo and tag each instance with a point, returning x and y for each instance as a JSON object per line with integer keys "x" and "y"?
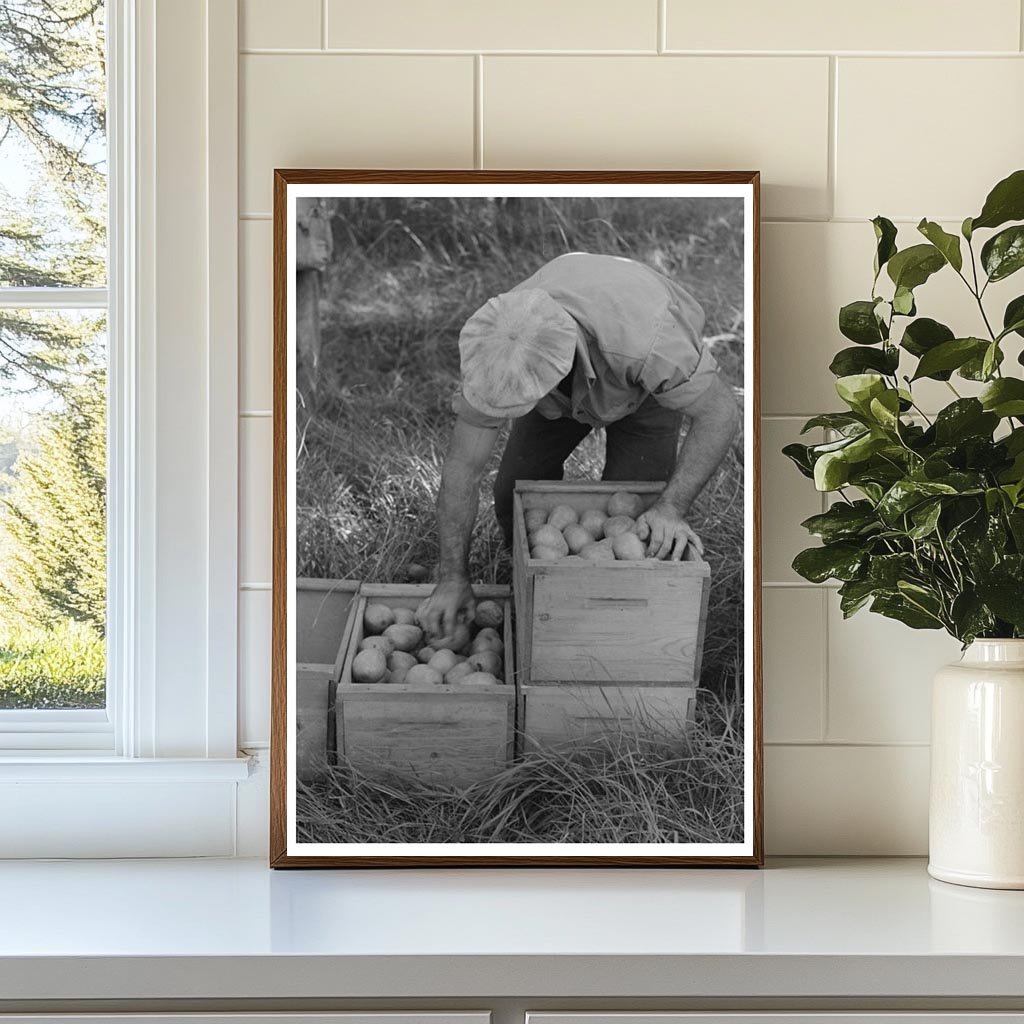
{"x": 679, "y": 368}
{"x": 466, "y": 412}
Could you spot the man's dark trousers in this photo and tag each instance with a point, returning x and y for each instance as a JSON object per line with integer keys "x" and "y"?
{"x": 641, "y": 446}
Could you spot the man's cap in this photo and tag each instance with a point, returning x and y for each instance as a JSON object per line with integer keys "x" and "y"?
{"x": 514, "y": 350}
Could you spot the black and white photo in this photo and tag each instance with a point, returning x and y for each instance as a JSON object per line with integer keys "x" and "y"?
{"x": 516, "y": 566}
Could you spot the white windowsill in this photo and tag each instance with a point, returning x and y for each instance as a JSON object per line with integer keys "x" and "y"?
{"x": 79, "y": 767}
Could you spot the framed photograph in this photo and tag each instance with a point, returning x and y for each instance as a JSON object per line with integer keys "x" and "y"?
{"x": 516, "y": 612}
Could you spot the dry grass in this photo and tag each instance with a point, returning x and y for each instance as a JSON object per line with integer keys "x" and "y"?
{"x": 633, "y": 789}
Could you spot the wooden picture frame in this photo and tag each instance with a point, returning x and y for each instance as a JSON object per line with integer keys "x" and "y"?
{"x": 285, "y": 852}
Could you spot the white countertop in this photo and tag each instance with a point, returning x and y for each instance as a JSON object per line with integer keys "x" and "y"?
{"x": 233, "y": 929}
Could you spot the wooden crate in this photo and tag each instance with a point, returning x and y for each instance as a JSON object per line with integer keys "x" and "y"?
{"x": 556, "y": 716}
{"x": 439, "y": 733}
{"x": 324, "y": 611}
{"x": 640, "y": 622}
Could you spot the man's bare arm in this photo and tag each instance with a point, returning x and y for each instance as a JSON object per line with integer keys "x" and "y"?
{"x": 714, "y": 420}
{"x": 457, "y": 504}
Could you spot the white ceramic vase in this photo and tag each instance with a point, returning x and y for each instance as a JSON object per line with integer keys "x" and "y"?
{"x": 976, "y": 817}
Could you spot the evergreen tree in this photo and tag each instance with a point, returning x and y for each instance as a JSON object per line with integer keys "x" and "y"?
{"x": 53, "y": 121}
{"x": 53, "y": 525}
{"x": 53, "y": 234}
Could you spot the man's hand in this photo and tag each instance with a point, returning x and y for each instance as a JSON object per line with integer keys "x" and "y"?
{"x": 451, "y": 600}
{"x": 669, "y": 532}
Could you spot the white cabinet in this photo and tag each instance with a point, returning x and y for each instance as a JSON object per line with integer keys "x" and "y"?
{"x": 785, "y": 1017}
{"x": 454, "y": 1017}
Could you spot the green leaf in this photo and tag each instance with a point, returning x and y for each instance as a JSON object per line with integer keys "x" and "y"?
{"x": 965, "y": 229}
{"x": 840, "y": 421}
{"x": 906, "y": 494}
{"x": 887, "y": 570}
{"x": 1013, "y": 317}
{"x": 1004, "y": 397}
{"x": 947, "y": 244}
{"x": 831, "y": 471}
{"x": 857, "y": 321}
{"x": 990, "y": 360}
{"x": 912, "y": 267}
{"x": 925, "y": 518}
{"x": 854, "y": 594}
{"x": 950, "y": 355}
{"x": 1003, "y": 596}
{"x": 866, "y": 445}
{"x": 903, "y": 302}
{"x": 1005, "y": 202}
{"x": 966, "y": 417}
{"x": 885, "y": 409}
{"x": 899, "y": 608}
{"x": 858, "y": 389}
{"x": 924, "y": 334}
{"x": 800, "y": 456}
{"x": 840, "y": 561}
{"x": 885, "y": 238}
{"x": 970, "y": 617}
{"x": 974, "y": 368}
{"x": 849, "y": 361}
{"x": 1003, "y": 254}
{"x": 842, "y": 521}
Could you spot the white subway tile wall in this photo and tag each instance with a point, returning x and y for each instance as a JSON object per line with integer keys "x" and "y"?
{"x": 255, "y": 312}
{"x": 471, "y": 25}
{"x": 701, "y": 113}
{"x": 911, "y": 111}
{"x": 871, "y": 25}
{"x": 261, "y": 24}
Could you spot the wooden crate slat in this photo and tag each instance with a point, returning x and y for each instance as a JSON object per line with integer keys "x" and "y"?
{"x": 450, "y": 737}
{"x": 442, "y": 733}
{"x": 324, "y": 612}
{"x": 556, "y": 716}
{"x": 322, "y": 621}
{"x": 312, "y": 697}
{"x": 621, "y": 621}
{"x": 632, "y": 633}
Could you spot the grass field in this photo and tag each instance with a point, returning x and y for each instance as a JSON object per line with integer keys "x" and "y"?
{"x": 406, "y": 275}
{"x": 60, "y": 667}
{"x": 631, "y": 790}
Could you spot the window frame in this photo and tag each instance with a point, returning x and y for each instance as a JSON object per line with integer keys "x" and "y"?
{"x": 172, "y": 509}
{"x": 78, "y": 730}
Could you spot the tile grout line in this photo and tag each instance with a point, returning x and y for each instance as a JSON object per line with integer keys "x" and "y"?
{"x": 824, "y": 723}
{"x": 832, "y": 147}
{"x": 258, "y": 51}
{"x": 826, "y": 650}
{"x": 851, "y": 744}
{"x": 662, "y": 26}
{"x": 323, "y": 24}
{"x": 478, "y": 111}
{"x": 1020, "y": 26}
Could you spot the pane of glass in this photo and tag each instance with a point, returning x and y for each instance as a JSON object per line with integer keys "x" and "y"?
{"x": 53, "y": 149}
{"x": 53, "y": 443}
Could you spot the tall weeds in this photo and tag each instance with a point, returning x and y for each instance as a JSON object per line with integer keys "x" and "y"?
{"x": 633, "y": 788}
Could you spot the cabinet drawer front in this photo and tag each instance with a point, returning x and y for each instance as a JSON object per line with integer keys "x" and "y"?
{"x": 362, "y": 1017}
{"x": 786, "y": 1017}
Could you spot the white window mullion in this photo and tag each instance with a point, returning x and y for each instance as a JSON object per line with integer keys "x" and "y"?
{"x": 53, "y": 298}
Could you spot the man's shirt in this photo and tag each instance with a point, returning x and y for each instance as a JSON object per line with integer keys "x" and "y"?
{"x": 639, "y": 335}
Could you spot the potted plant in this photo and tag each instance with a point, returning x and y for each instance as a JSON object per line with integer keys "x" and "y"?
{"x": 927, "y": 521}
